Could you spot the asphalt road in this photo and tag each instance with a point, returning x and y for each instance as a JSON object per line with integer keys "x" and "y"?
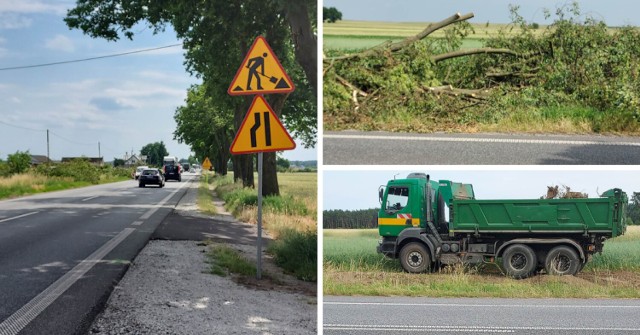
{"x": 383, "y": 148}
{"x": 61, "y": 253}
{"x": 394, "y": 315}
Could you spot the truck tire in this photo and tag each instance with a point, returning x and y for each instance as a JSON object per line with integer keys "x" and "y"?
{"x": 519, "y": 261}
{"x": 415, "y": 258}
{"x": 562, "y": 261}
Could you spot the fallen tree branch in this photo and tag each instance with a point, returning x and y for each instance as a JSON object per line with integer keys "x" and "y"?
{"x": 479, "y": 94}
{"x": 393, "y": 47}
{"x": 462, "y": 53}
{"x": 351, "y": 86}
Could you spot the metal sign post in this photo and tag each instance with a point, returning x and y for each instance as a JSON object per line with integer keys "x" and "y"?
{"x": 259, "y": 242}
{"x": 261, "y": 130}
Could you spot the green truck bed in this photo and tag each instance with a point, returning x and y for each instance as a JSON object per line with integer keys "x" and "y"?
{"x": 603, "y": 215}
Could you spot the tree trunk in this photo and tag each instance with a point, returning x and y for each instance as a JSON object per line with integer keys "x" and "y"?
{"x": 244, "y": 162}
{"x": 304, "y": 41}
{"x": 269, "y": 168}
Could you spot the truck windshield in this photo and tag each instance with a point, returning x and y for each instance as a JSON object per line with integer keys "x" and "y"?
{"x": 397, "y": 198}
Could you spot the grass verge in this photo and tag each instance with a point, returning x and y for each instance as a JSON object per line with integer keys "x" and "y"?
{"x": 30, "y": 183}
{"x": 224, "y": 260}
{"x": 289, "y": 218}
{"x": 352, "y": 267}
{"x": 205, "y": 196}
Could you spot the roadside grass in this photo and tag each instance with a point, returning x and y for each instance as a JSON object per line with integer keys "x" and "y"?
{"x": 290, "y": 218}
{"x": 224, "y": 260}
{"x": 32, "y": 183}
{"x": 205, "y": 195}
{"x": 352, "y": 267}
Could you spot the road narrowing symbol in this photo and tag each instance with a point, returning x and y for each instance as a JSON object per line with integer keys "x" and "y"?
{"x": 261, "y": 131}
{"x": 260, "y": 72}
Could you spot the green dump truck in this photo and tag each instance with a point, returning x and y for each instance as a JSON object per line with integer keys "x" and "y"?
{"x": 428, "y": 223}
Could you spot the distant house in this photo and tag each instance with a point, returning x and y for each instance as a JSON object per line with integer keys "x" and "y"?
{"x": 92, "y": 160}
{"x": 134, "y": 160}
{"x": 38, "y": 159}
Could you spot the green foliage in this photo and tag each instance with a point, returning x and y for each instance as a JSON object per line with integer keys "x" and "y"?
{"x": 297, "y": 253}
{"x": 236, "y": 198}
{"x": 117, "y": 162}
{"x": 224, "y": 260}
{"x": 331, "y": 14}
{"x": 282, "y": 164}
{"x": 78, "y": 170}
{"x": 19, "y": 162}
{"x": 155, "y": 153}
{"x": 4, "y": 169}
{"x": 576, "y": 71}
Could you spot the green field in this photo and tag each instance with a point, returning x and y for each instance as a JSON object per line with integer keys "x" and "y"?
{"x": 358, "y": 35}
{"x": 352, "y": 267}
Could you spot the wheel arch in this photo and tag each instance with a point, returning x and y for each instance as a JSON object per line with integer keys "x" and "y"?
{"x": 414, "y": 235}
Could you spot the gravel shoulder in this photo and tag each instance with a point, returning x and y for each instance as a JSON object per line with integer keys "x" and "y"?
{"x": 167, "y": 290}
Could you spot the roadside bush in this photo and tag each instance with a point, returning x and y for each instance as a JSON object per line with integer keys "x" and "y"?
{"x": 285, "y": 204}
{"x": 19, "y": 162}
{"x": 297, "y": 253}
{"x": 79, "y": 170}
{"x": 4, "y": 169}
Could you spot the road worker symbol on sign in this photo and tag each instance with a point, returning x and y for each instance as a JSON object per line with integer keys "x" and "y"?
{"x": 260, "y": 72}
{"x": 261, "y": 131}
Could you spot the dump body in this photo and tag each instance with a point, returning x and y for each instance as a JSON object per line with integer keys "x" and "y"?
{"x": 548, "y": 216}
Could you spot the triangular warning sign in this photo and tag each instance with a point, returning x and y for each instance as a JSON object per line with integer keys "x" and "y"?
{"x": 207, "y": 164}
{"x": 260, "y": 72}
{"x": 261, "y": 131}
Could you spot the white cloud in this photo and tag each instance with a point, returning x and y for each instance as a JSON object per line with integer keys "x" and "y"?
{"x": 16, "y": 100}
{"x": 61, "y": 43}
{"x": 14, "y": 21}
{"x": 34, "y": 6}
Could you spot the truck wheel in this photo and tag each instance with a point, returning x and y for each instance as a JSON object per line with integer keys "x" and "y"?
{"x": 519, "y": 261}
{"x": 415, "y": 258}
{"x": 562, "y": 261}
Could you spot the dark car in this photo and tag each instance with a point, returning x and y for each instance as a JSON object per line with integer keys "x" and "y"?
{"x": 173, "y": 171}
{"x": 151, "y": 176}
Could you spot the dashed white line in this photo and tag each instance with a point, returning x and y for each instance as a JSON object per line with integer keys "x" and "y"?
{"x": 89, "y": 198}
{"x": 478, "y": 139}
{"x": 17, "y": 217}
{"x": 27, "y": 313}
{"x": 137, "y": 223}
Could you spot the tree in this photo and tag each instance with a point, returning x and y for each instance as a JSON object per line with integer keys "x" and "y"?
{"x": 19, "y": 162}
{"x": 283, "y": 163}
{"x": 331, "y": 14}
{"x": 216, "y": 34}
{"x": 155, "y": 153}
{"x": 118, "y": 162}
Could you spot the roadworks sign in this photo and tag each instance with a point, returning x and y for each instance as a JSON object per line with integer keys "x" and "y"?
{"x": 207, "y": 164}
{"x": 260, "y": 72}
{"x": 261, "y": 131}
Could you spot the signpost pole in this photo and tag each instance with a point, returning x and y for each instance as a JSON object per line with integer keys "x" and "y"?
{"x": 259, "y": 242}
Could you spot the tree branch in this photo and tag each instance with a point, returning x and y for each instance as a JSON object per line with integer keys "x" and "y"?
{"x": 461, "y": 53}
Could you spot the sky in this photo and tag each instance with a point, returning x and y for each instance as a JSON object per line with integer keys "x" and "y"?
{"x": 613, "y": 12}
{"x": 358, "y": 189}
{"x": 123, "y": 102}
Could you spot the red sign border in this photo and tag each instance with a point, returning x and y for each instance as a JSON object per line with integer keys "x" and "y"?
{"x": 246, "y": 117}
{"x": 246, "y": 58}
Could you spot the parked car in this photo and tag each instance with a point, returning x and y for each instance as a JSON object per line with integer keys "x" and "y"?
{"x": 172, "y": 171}
{"x": 139, "y": 170}
{"x": 151, "y": 176}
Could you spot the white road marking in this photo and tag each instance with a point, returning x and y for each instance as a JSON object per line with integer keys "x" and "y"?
{"x": 17, "y": 217}
{"x": 484, "y": 329}
{"x": 478, "y": 139}
{"x": 137, "y": 223}
{"x": 155, "y": 208}
{"x": 27, "y": 313}
{"x": 478, "y": 305}
{"x": 89, "y": 198}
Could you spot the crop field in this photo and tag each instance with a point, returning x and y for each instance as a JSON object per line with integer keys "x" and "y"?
{"x": 358, "y": 35}
{"x": 352, "y": 267}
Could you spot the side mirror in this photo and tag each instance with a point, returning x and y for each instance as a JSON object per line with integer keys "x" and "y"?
{"x": 380, "y": 194}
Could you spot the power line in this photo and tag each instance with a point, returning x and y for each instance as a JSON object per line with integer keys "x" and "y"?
{"x": 88, "y": 59}
{"x": 13, "y": 125}
{"x": 71, "y": 141}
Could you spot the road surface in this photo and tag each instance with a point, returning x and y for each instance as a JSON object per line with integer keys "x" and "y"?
{"x": 395, "y": 315}
{"x": 383, "y": 148}
{"x": 61, "y": 253}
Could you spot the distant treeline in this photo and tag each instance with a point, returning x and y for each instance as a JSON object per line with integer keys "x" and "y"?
{"x": 362, "y": 218}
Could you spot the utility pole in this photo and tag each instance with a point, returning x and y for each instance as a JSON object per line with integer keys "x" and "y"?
{"x": 99, "y": 155}
{"x": 48, "y": 158}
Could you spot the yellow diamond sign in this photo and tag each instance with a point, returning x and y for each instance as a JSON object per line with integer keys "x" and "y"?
{"x": 260, "y": 72}
{"x": 261, "y": 131}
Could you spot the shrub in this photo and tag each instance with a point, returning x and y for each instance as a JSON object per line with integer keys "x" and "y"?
{"x": 19, "y": 162}
{"x": 297, "y": 253}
